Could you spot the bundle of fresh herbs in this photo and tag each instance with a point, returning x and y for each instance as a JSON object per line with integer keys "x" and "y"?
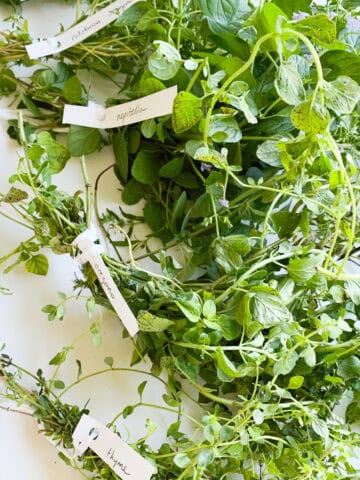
{"x": 253, "y": 182}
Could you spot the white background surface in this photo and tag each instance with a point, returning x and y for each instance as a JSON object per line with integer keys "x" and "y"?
{"x": 32, "y": 341}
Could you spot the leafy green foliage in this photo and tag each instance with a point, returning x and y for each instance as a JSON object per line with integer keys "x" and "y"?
{"x": 83, "y": 140}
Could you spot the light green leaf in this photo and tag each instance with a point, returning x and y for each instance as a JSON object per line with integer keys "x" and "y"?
{"x": 165, "y": 62}
{"x": 342, "y": 95}
{"x": 206, "y": 457}
{"x": 190, "y": 305}
{"x": 37, "y": 264}
{"x": 182, "y": 460}
{"x": 295, "y": 382}
{"x": 187, "y": 111}
{"x": 72, "y": 90}
{"x": 286, "y": 363}
{"x": 317, "y": 27}
{"x": 289, "y": 85}
{"x": 152, "y": 323}
{"x": 310, "y": 118}
{"x": 309, "y": 356}
{"x": 269, "y": 153}
{"x": 303, "y": 269}
{"x": 56, "y": 153}
{"x": 352, "y": 290}
{"x": 224, "y": 16}
{"x": 14, "y": 195}
{"x": 224, "y": 129}
{"x": 269, "y": 309}
{"x": 349, "y": 368}
{"x": 148, "y": 128}
{"x": 225, "y": 365}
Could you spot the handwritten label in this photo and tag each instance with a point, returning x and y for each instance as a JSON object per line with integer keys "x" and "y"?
{"x": 123, "y": 459}
{"x": 151, "y": 106}
{"x": 79, "y": 32}
{"x": 90, "y": 253}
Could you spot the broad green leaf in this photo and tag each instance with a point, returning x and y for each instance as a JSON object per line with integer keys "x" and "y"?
{"x": 56, "y": 153}
{"x": 224, "y": 129}
{"x": 286, "y": 363}
{"x": 243, "y": 104}
{"x": 320, "y": 427}
{"x": 342, "y": 95}
{"x": 165, "y": 62}
{"x": 189, "y": 370}
{"x": 149, "y": 86}
{"x": 206, "y": 457}
{"x": 145, "y": 168}
{"x": 309, "y": 355}
{"x": 303, "y": 269}
{"x": 285, "y": 222}
{"x": 229, "y": 252}
{"x": 190, "y": 305}
{"x": 310, "y": 118}
{"x": 187, "y": 111}
{"x": 289, "y": 85}
{"x": 224, "y": 16}
{"x": 269, "y": 310}
{"x": 173, "y": 168}
{"x": 72, "y": 90}
{"x": 154, "y": 215}
{"x": 152, "y": 323}
{"x": 295, "y": 6}
{"x": 7, "y": 81}
{"x": 349, "y": 368}
{"x": 59, "y": 384}
{"x": 269, "y": 153}
{"x": 295, "y": 382}
{"x": 317, "y": 27}
{"x": 226, "y": 365}
{"x": 37, "y": 264}
{"x": 121, "y": 156}
{"x": 148, "y": 128}
{"x": 133, "y": 192}
{"x": 352, "y": 290}
{"x": 83, "y": 140}
{"x": 268, "y": 19}
{"x": 340, "y": 62}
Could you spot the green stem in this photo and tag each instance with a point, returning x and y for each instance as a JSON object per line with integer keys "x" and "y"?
{"x": 87, "y": 190}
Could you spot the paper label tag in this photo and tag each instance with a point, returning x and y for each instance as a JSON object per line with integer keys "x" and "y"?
{"x": 90, "y": 253}
{"x": 123, "y": 459}
{"x": 79, "y": 32}
{"x": 151, "y": 106}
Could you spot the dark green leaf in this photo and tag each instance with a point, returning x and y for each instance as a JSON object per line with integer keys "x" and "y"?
{"x": 72, "y": 90}
{"x": 121, "y": 156}
{"x": 224, "y": 16}
{"x": 145, "y": 168}
{"x": 83, "y": 140}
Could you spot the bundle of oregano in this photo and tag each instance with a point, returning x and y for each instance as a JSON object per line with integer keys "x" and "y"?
{"x": 253, "y": 182}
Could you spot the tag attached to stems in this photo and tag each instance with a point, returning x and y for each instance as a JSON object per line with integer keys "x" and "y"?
{"x": 123, "y": 459}
{"x": 91, "y": 252}
{"x": 79, "y": 32}
{"x": 151, "y": 106}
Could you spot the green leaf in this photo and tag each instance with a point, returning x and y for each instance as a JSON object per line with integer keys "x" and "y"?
{"x": 96, "y": 334}
{"x": 141, "y": 388}
{"x": 269, "y": 153}
{"x": 72, "y": 90}
{"x": 295, "y": 382}
{"x": 83, "y": 140}
{"x": 224, "y": 129}
{"x": 229, "y": 252}
{"x": 148, "y": 86}
{"x": 14, "y": 195}
{"x": 224, "y": 16}
{"x": 149, "y": 322}
{"x": 165, "y": 62}
{"x": 187, "y": 111}
{"x": 258, "y": 416}
{"x": 342, "y": 95}
{"x": 352, "y": 414}
{"x": 121, "y": 156}
{"x": 289, "y": 85}
{"x": 319, "y": 426}
{"x": 317, "y": 27}
{"x": 129, "y": 410}
{"x": 190, "y": 305}
{"x": 145, "y": 168}
{"x": 59, "y": 384}
{"x": 352, "y": 290}
{"x": 225, "y": 365}
{"x": 268, "y": 19}
{"x": 7, "y": 81}
{"x": 269, "y": 309}
{"x": 173, "y": 168}
{"x": 109, "y": 361}
{"x": 189, "y": 370}
{"x": 182, "y": 460}
{"x": 349, "y": 368}
{"x": 286, "y": 363}
{"x": 206, "y": 457}
{"x": 291, "y": 7}
{"x": 309, "y": 355}
{"x": 56, "y": 153}
{"x": 148, "y": 128}
{"x": 303, "y": 269}
{"x": 340, "y": 62}
{"x": 132, "y": 193}
{"x": 154, "y": 215}
{"x": 310, "y": 118}
{"x": 38, "y": 264}
{"x": 60, "y": 357}
{"x": 285, "y": 223}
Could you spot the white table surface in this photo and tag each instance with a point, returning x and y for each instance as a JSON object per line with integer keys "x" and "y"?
{"x": 32, "y": 341}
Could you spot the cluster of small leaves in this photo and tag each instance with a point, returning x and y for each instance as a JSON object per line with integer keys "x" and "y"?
{"x": 254, "y": 179}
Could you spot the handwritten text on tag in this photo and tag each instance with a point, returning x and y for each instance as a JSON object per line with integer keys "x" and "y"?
{"x": 123, "y": 459}
{"x": 151, "y": 106}
{"x": 79, "y": 32}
